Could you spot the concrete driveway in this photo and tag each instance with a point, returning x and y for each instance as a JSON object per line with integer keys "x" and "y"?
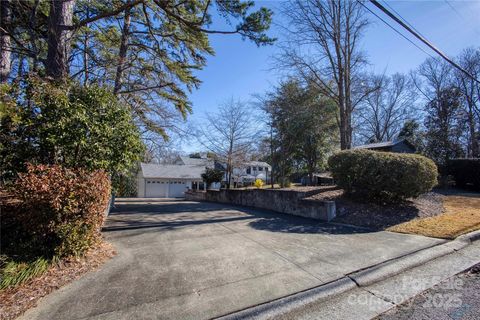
{"x": 189, "y": 260}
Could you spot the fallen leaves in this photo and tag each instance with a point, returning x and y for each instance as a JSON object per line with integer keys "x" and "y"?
{"x": 15, "y": 301}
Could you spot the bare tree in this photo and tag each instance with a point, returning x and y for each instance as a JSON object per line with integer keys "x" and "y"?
{"x": 323, "y": 47}
{"x": 381, "y": 115}
{"x": 432, "y": 77}
{"x": 229, "y": 133}
{"x": 469, "y": 59}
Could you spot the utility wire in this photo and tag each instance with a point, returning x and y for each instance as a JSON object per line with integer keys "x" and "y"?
{"x": 461, "y": 16}
{"x": 404, "y": 20}
{"x": 430, "y": 45}
{"x": 393, "y": 28}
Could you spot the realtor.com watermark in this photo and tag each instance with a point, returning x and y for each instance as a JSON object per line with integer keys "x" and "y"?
{"x": 446, "y": 294}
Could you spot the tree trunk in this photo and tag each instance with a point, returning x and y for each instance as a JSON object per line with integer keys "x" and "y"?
{"x": 59, "y": 38}
{"x": 122, "y": 55}
{"x": 85, "y": 54}
{"x": 5, "y": 51}
{"x": 474, "y": 148}
{"x": 271, "y": 156}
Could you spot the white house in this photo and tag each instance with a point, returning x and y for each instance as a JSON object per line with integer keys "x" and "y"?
{"x": 168, "y": 180}
{"x": 251, "y": 171}
{"x": 172, "y": 180}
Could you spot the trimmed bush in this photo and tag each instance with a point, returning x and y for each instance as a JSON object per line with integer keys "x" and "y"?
{"x": 383, "y": 176}
{"x": 466, "y": 172}
{"x": 60, "y": 211}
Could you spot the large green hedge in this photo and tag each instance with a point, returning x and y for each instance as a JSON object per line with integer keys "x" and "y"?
{"x": 68, "y": 124}
{"x": 383, "y": 176}
{"x": 466, "y": 172}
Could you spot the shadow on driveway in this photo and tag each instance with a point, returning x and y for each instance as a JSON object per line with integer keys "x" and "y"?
{"x": 171, "y": 214}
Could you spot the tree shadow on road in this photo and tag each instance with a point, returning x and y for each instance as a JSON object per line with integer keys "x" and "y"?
{"x": 287, "y": 224}
{"x": 168, "y": 215}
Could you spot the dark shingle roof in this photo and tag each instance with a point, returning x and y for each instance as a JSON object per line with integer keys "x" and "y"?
{"x": 377, "y": 145}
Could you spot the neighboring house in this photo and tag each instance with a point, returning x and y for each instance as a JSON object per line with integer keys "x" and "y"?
{"x": 399, "y": 146}
{"x": 203, "y": 161}
{"x": 172, "y": 180}
{"x": 248, "y": 172}
{"x": 324, "y": 178}
{"x": 206, "y": 162}
{"x": 168, "y": 180}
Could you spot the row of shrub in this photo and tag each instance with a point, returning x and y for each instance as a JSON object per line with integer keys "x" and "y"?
{"x": 383, "y": 176}
{"x": 57, "y": 209}
{"x": 465, "y": 172}
{"x": 58, "y": 212}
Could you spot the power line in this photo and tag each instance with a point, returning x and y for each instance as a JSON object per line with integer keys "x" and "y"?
{"x": 461, "y": 16}
{"x": 404, "y": 20}
{"x": 424, "y": 40}
{"x": 453, "y": 8}
{"x": 393, "y": 28}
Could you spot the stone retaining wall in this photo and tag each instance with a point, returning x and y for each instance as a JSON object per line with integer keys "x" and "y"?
{"x": 285, "y": 201}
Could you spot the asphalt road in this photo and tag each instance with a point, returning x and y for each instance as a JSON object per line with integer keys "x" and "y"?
{"x": 457, "y": 298}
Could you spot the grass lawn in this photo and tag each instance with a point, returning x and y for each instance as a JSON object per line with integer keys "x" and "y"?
{"x": 462, "y": 215}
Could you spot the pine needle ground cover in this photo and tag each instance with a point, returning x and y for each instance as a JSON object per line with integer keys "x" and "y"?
{"x": 462, "y": 215}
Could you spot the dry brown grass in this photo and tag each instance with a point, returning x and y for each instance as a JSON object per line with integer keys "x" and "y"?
{"x": 462, "y": 215}
{"x": 15, "y": 301}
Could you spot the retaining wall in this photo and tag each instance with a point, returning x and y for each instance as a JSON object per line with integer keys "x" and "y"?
{"x": 285, "y": 201}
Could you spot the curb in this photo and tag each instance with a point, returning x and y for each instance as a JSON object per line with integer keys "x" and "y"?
{"x": 395, "y": 266}
{"x": 296, "y": 300}
{"x": 469, "y": 237}
{"x": 353, "y": 280}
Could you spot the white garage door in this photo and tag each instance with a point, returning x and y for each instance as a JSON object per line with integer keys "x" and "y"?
{"x": 156, "y": 188}
{"x": 177, "y": 189}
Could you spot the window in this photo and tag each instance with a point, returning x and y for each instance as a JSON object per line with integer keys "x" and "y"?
{"x": 266, "y": 169}
{"x": 249, "y": 170}
{"x": 260, "y": 168}
{"x": 254, "y": 168}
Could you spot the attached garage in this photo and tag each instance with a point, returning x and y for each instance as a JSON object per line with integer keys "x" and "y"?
{"x": 167, "y": 181}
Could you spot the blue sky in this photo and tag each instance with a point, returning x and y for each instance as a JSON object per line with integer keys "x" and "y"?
{"x": 240, "y": 69}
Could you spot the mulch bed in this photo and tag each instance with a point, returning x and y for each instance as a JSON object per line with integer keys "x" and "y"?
{"x": 311, "y": 188}
{"x": 297, "y": 188}
{"x": 15, "y": 301}
{"x": 380, "y": 217}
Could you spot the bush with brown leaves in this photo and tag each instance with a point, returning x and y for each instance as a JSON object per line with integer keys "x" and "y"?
{"x": 60, "y": 211}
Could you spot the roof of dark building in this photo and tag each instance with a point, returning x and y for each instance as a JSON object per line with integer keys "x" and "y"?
{"x": 384, "y": 145}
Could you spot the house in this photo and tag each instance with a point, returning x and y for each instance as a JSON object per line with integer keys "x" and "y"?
{"x": 248, "y": 172}
{"x": 189, "y": 161}
{"x": 202, "y": 161}
{"x": 172, "y": 180}
{"x": 318, "y": 179}
{"x": 168, "y": 180}
{"x": 399, "y": 146}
